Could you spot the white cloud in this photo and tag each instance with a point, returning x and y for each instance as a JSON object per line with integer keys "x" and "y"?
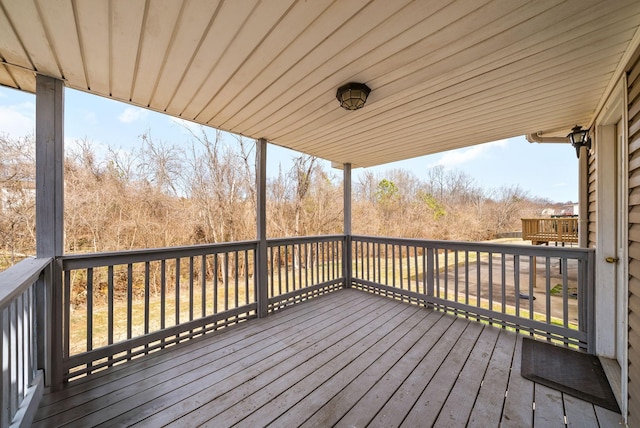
{"x": 131, "y": 114}
{"x": 17, "y": 120}
{"x": 457, "y": 157}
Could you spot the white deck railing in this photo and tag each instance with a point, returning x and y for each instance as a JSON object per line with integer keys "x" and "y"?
{"x": 22, "y": 346}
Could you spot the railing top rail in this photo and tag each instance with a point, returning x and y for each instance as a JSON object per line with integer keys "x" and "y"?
{"x": 303, "y": 239}
{"x": 19, "y": 277}
{"x": 516, "y": 249}
{"x": 78, "y": 261}
{"x": 550, "y": 219}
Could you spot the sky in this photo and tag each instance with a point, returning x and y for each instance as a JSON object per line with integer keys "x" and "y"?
{"x": 543, "y": 170}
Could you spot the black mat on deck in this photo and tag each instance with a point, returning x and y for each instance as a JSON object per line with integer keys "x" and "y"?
{"x": 571, "y": 372}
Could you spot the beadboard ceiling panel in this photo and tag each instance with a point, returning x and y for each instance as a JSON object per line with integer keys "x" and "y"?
{"x": 444, "y": 74}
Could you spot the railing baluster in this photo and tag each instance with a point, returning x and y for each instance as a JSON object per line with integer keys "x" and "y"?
{"x": 516, "y": 282}
{"x": 236, "y": 281}
{"x": 203, "y": 285}
{"x": 89, "y": 309}
{"x": 490, "y": 254}
{"x": 110, "y": 298}
{"x": 66, "y": 335}
{"x": 548, "y": 289}
{"x": 226, "y": 281}
{"x": 177, "y": 292}
{"x": 129, "y": 300}
{"x": 216, "y": 267}
{"x": 417, "y": 272}
{"x": 478, "y": 279}
{"x": 270, "y": 250}
{"x": 147, "y": 297}
{"x": 532, "y": 277}
{"x": 279, "y": 270}
{"x": 286, "y": 268}
{"x": 437, "y": 272}
{"x": 5, "y": 363}
{"x": 163, "y": 297}
{"x": 503, "y": 278}
{"x": 191, "y": 291}
{"x": 246, "y": 277}
{"x": 445, "y": 264}
{"x": 565, "y": 293}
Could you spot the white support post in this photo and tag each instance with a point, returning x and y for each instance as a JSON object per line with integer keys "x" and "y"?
{"x": 347, "y": 255}
{"x": 606, "y": 218}
{"x": 49, "y": 221}
{"x": 262, "y": 289}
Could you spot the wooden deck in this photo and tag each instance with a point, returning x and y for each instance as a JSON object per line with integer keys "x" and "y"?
{"x": 346, "y": 359}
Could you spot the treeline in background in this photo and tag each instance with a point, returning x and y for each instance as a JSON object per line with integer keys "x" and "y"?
{"x": 203, "y": 191}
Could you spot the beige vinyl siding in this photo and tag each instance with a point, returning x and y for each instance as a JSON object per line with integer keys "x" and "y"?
{"x": 591, "y": 240}
{"x": 634, "y": 244}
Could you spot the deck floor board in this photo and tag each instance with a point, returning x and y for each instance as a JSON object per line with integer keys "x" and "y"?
{"x": 348, "y": 358}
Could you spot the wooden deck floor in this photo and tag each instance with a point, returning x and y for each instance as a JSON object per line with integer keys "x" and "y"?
{"x": 347, "y": 359}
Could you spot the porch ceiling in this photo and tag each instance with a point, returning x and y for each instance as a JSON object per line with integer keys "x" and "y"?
{"x": 444, "y": 74}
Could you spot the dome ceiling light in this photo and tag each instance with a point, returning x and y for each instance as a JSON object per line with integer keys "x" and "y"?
{"x": 352, "y": 96}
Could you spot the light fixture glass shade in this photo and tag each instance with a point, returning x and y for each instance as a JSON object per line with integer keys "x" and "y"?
{"x": 352, "y": 96}
{"x": 579, "y": 138}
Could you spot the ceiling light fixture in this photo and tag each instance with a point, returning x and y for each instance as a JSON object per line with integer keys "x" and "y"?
{"x": 352, "y": 96}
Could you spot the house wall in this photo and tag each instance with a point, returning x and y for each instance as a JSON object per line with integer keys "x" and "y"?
{"x": 633, "y": 96}
{"x": 591, "y": 191}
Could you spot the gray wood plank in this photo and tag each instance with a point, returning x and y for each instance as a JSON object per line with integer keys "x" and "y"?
{"x": 457, "y": 408}
{"x": 349, "y": 357}
{"x": 607, "y": 418}
{"x": 213, "y": 387}
{"x": 331, "y": 411}
{"x": 225, "y": 343}
{"x": 490, "y": 401}
{"x": 160, "y": 379}
{"x": 259, "y": 391}
{"x": 362, "y": 413}
{"x": 548, "y": 411}
{"x": 518, "y": 406}
{"x": 423, "y": 409}
{"x": 303, "y": 399}
{"x": 580, "y": 414}
{"x": 228, "y": 340}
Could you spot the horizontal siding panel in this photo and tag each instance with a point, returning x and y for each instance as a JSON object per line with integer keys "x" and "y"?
{"x": 634, "y": 233}
{"x": 634, "y": 126}
{"x": 633, "y": 74}
{"x": 634, "y": 215}
{"x": 634, "y": 161}
{"x": 634, "y": 252}
{"x": 634, "y": 143}
{"x": 634, "y": 179}
{"x": 634, "y": 270}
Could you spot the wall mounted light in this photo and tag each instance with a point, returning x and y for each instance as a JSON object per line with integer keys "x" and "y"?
{"x": 352, "y": 96}
{"x": 579, "y": 138}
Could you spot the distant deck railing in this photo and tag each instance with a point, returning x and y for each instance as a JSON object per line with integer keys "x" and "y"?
{"x": 545, "y": 230}
{"x": 23, "y": 344}
{"x": 516, "y": 286}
